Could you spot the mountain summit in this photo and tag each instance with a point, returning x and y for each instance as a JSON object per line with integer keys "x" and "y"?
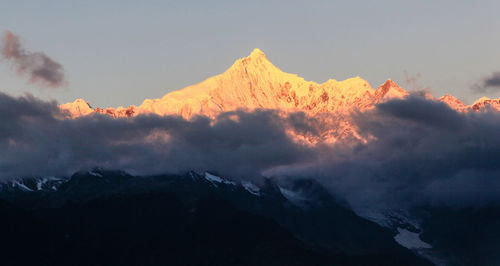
{"x": 254, "y": 82}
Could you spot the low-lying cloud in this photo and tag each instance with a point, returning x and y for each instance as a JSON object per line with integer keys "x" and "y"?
{"x": 35, "y": 141}
{"x": 40, "y": 68}
{"x": 420, "y": 151}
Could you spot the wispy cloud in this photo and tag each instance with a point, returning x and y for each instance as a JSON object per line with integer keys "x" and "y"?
{"x": 488, "y": 84}
{"x": 40, "y": 68}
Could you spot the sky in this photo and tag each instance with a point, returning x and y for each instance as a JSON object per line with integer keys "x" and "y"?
{"x": 122, "y": 52}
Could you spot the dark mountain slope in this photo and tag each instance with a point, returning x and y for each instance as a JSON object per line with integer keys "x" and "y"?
{"x": 112, "y": 218}
{"x": 465, "y": 236}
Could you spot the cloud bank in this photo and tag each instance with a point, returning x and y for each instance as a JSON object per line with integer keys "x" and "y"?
{"x": 40, "y": 69}
{"x": 35, "y": 141}
{"x": 420, "y": 151}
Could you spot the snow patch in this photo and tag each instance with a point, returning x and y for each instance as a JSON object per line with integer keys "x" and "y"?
{"x": 40, "y": 183}
{"x": 292, "y": 196}
{"x": 250, "y": 187}
{"x": 192, "y": 176}
{"x": 391, "y": 219}
{"x": 21, "y": 186}
{"x": 95, "y": 174}
{"x": 410, "y": 240}
{"x": 215, "y": 179}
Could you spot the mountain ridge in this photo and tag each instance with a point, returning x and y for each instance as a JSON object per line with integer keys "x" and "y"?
{"x": 303, "y": 209}
{"x": 254, "y": 82}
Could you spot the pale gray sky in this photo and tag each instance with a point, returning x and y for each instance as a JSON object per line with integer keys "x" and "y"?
{"x": 121, "y": 52}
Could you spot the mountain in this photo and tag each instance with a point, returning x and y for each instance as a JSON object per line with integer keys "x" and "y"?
{"x": 104, "y": 217}
{"x": 301, "y": 209}
{"x": 485, "y": 102}
{"x": 464, "y": 236}
{"x": 454, "y": 103}
{"x": 254, "y": 82}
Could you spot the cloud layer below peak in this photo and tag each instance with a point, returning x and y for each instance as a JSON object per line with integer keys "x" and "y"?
{"x": 419, "y": 150}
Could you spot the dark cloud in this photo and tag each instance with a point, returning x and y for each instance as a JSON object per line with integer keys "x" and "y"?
{"x": 40, "y": 68}
{"x": 488, "y": 84}
{"x": 35, "y": 141}
{"x": 419, "y": 150}
{"x": 419, "y": 110}
{"x": 493, "y": 81}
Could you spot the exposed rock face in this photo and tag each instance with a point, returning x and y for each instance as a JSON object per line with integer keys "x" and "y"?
{"x": 254, "y": 82}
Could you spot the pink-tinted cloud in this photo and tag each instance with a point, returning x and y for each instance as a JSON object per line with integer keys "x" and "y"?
{"x": 37, "y": 66}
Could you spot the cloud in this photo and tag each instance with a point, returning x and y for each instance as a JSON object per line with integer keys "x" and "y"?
{"x": 34, "y": 140}
{"x": 40, "y": 69}
{"x": 420, "y": 151}
{"x": 422, "y": 111}
{"x": 488, "y": 84}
